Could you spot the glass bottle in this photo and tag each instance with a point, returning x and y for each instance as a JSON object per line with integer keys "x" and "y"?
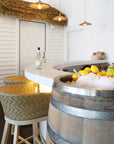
{"x": 38, "y": 61}
{"x": 111, "y": 68}
{"x": 43, "y": 58}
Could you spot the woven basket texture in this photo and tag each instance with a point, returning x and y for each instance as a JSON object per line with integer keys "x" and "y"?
{"x": 20, "y": 102}
{"x": 16, "y": 79}
{"x": 22, "y": 10}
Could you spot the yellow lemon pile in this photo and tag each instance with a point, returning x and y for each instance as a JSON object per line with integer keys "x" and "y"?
{"x": 93, "y": 69}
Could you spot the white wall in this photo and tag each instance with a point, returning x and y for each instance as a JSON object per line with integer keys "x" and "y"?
{"x": 99, "y": 36}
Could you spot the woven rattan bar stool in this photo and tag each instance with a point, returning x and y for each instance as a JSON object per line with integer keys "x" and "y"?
{"x": 19, "y": 79}
{"x": 23, "y": 106}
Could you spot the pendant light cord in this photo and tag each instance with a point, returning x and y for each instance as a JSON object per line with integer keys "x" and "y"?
{"x": 59, "y": 4}
{"x": 85, "y": 8}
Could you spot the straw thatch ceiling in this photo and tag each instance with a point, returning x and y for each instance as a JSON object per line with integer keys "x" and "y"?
{"x": 21, "y": 9}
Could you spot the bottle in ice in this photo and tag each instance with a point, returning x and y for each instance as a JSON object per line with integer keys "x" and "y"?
{"x": 111, "y": 69}
{"x": 38, "y": 61}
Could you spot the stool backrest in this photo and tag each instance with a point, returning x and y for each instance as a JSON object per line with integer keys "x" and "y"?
{"x": 20, "y": 102}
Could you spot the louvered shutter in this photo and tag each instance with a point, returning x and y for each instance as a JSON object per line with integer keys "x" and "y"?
{"x": 8, "y": 47}
{"x": 55, "y": 44}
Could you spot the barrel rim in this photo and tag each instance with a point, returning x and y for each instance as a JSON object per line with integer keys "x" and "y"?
{"x": 92, "y": 92}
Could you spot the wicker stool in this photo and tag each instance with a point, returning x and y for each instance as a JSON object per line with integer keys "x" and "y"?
{"x": 22, "y": 106}
{"x": 19, "y": 79}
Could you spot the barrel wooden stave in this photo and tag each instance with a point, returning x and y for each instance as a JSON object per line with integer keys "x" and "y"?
{"x": 64, "y": 125}
{"x": 80, "y": 131}
{"x": 49, "y": 140}
{"x": 93, "y": 103}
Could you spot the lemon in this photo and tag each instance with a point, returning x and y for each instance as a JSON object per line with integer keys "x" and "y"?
{"x": 109, "y": 74}
{"x": 88, "y": 69}
{"x": 94, "y": 69}
{"x": 75, "y": 76}
{"x": 82, "y": 72}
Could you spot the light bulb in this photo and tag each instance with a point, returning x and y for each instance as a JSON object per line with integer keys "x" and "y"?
{"x": 39, "y": 6}
{"x": 85, "y": 25}
{"x": 60, "y": 19}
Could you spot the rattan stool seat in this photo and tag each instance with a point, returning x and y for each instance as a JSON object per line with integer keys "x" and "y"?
{"x": 18, "y": 89}
{"x": 15, "y": 79}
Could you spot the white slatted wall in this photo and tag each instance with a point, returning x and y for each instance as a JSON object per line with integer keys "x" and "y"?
{"x": 55, "y": 44}
{"x": 8, "y": 47}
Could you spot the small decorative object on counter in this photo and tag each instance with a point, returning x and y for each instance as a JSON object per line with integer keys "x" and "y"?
{"x": 38, "y": 61}
{"x": 110, "y": 69}
{"x": 98, "y": 55}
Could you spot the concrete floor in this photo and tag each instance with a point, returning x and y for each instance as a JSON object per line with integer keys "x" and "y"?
{"x": 25, "y": 131}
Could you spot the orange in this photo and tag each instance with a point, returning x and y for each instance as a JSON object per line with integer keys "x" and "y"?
{"x": 103, "y": 73}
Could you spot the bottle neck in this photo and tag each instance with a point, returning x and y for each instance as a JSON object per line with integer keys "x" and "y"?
{"x": 38, "y": 51}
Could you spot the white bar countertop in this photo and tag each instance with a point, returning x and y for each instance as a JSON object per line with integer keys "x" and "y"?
{"x": 50, "y": 71}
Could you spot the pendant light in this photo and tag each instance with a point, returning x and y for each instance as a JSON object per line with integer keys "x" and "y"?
{"x": 60, "y": 17}
{"x": 40, "y": 5}
{"x": 85, "y": 23}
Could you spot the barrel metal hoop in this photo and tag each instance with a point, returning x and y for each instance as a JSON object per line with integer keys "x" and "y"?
{"x": 57, "y": 92}
{"x": 83, "y": 113}
{"x": 81, "y": 90}
{"x": 57, "y": 139}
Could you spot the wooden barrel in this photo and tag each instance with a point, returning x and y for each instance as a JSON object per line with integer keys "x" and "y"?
{"x": 80, "y": 116}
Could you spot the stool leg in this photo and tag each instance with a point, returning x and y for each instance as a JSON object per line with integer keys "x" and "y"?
{"x": 5, "y": 133}
{"x": 12, "y": 130}
{"x": 16, "y": 132}
{"x": 35, "y": 134}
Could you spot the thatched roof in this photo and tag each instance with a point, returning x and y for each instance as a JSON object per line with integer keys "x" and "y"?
{"x": 21, "y": 9}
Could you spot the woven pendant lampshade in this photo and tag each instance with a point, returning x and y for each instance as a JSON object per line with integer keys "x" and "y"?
{"x": 60, "y": 18}
{"x": 85, "y": 23}
{"x": 39, "y": 5}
